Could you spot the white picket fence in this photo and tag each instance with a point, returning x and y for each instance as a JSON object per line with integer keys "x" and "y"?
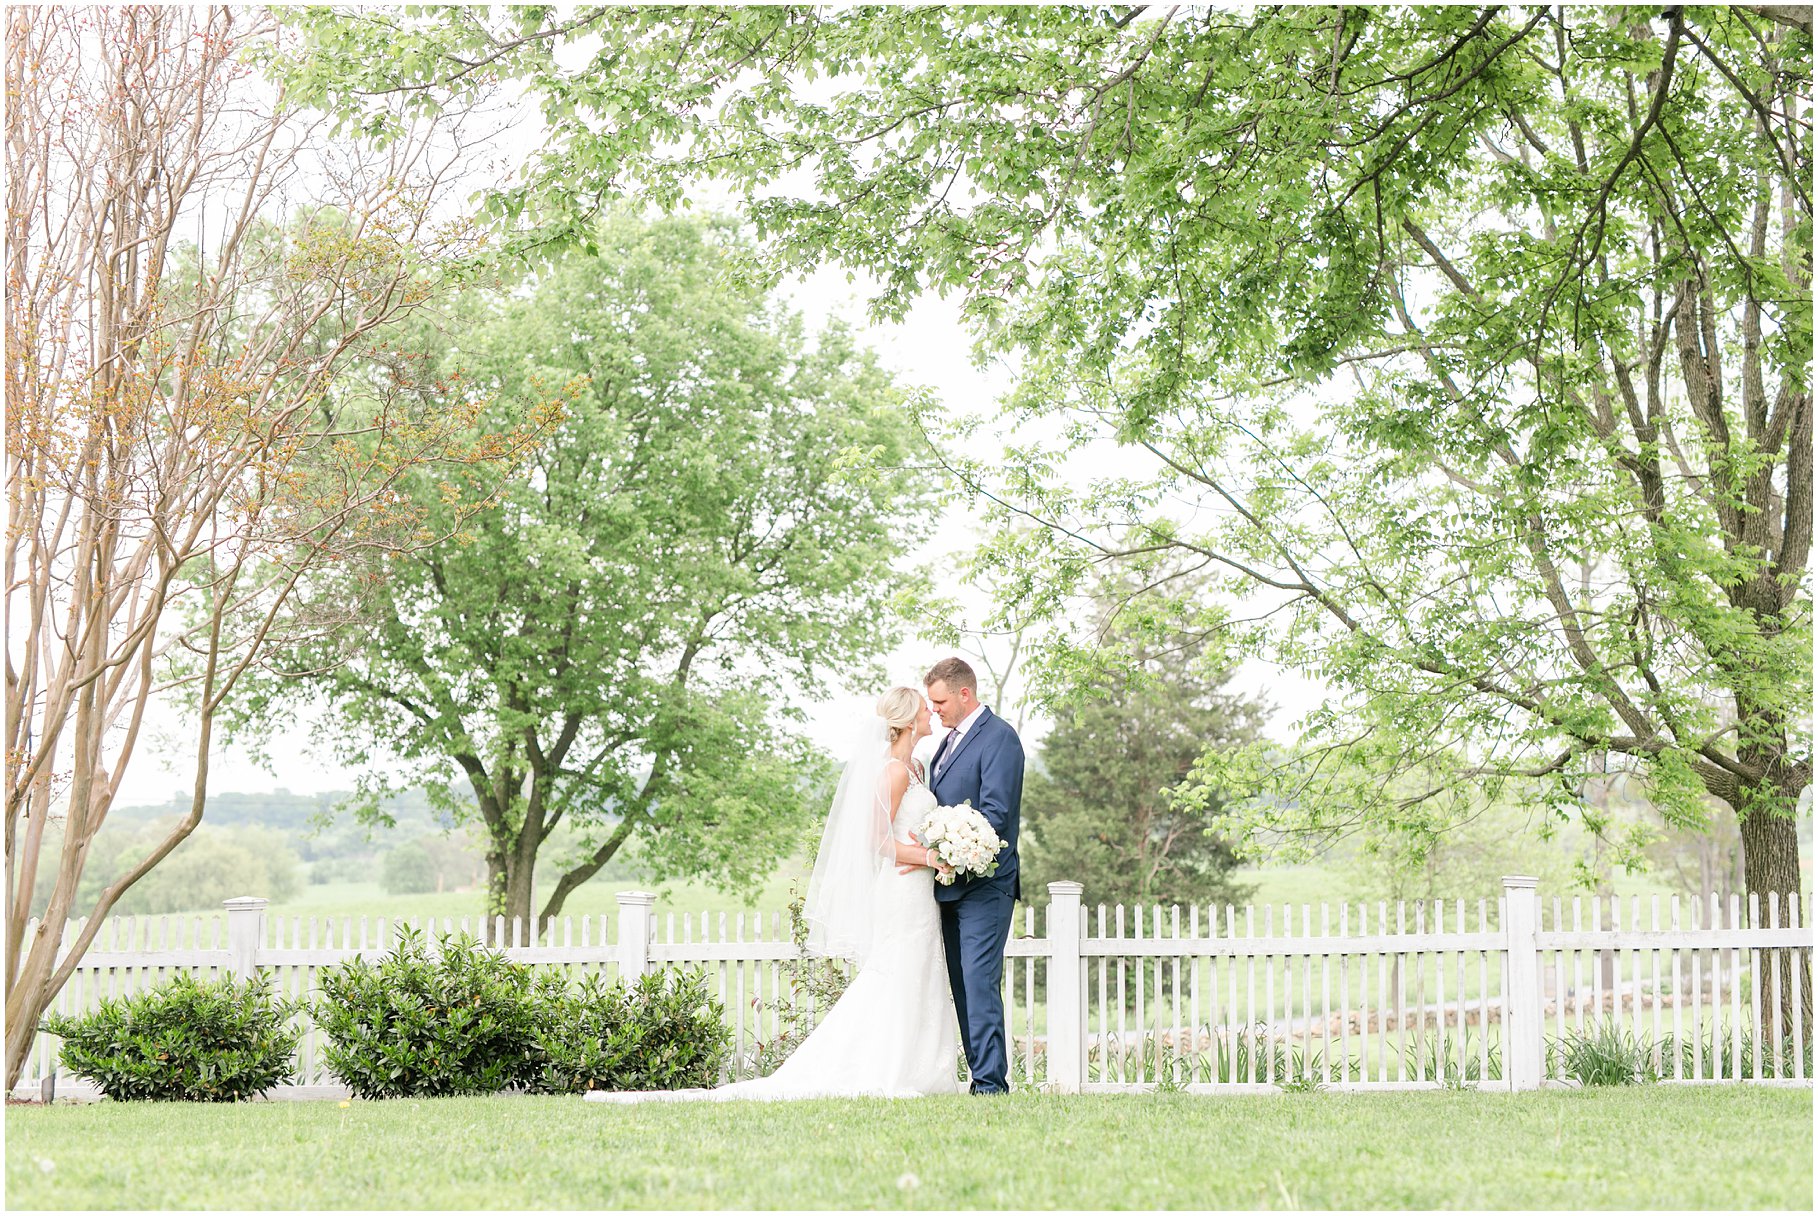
{"x": 1222, "y": 1000}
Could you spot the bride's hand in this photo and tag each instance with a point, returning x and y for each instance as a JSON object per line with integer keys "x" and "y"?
{"x": 926, "y": 863}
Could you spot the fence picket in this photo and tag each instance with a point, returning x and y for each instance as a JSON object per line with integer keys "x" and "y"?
{"x": 1698, "y": 1014}
{"x": 1382, "y": 992}
{"x": 1344, "y": 999}
{"x": 1635, "y": 971}
{"x": 1484, "y": 996}
{"x": 1774, "y": 1001}
{"x": 1399, "y": 975}
{"x": 1156, "y": 1008}
{"x": 1104, "y": 1009}
{"x": 1254, "y": 1064}
{"x": 1325, "y": 996}
{"x": 1755, "y": 986}
{"x": 1461, "y": 1023}
{"x": 1268, "y": 1026}
{"x": 1794, "y": 921}
{"x": 1678, "y": 1001}
{"x": 1122, "y": 1001}
{"x": 1180, "y": 1057}
{"x": 1308, "y": 1022}
{"x": 1654, "y": 977}
{"x": 1193, "y": 930}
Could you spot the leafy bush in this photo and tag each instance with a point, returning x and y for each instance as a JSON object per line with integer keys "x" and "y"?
{"x": 188, "y": 1040}
{"x": 461, "y": 1023}
{"x": 663, "y": 1032}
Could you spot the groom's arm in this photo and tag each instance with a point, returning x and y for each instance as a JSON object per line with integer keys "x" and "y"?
{"x": 1000, "y": 782}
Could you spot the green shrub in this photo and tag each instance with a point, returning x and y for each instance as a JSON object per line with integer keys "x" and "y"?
{"x": 1603, "y": 1055}
{"x": 461, "y": 1023}
{"x": 1243, "y": 1057}
{"x": 1713, "y": 1059}
{"x": 187, "y": 1040}
{"x": 1238, "y": 1058}
{"x": 663, "y": 1032}
{"x": 1436, "y": 1058}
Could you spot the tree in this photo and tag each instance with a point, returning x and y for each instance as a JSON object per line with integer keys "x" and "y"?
{"x": 1466, "y": 861}
{"x": 178, "y": 440}
{"x": 1098, "y": 808}
{"x": 1479, "y": 338}
{"x": 617, "y": 650}
{"x": 214, "y": 863}
{"x": 409, "y": 869}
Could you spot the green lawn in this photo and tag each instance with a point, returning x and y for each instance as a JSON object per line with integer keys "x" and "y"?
{"x": 1274, "y": 885}
{"x": 1659, "y": 1147}
{"x": 368, "y": 899}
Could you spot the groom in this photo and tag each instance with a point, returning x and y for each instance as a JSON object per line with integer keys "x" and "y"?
{"x": 981, "y": 762}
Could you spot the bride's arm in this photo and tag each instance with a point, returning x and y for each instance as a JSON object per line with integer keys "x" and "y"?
{"x": 895, "y": 783}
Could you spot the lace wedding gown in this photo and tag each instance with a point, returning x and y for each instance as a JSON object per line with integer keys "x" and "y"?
{"x": 893, "y": 1034}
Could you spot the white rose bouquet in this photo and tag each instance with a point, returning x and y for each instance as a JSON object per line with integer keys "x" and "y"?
{"x": 960, "y": 841}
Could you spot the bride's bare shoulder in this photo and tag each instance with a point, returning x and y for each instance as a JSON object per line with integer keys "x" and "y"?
{"x": 896, "y": 773}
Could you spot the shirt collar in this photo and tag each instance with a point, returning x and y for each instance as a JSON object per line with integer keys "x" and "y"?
{"x": 966, "y": 723}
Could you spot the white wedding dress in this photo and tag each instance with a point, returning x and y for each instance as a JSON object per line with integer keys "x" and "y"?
{"x": 893, "y": 1033}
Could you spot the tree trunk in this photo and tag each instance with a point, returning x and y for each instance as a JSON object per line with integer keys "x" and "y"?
{"x": 509, "y": 886}
{"x": 497, "y": 869}
{"x": 26, "y": 1004}
{"x": 1770, "y": 866}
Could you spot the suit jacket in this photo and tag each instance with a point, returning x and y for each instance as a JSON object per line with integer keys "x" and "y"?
{"x": 986, "y": 769}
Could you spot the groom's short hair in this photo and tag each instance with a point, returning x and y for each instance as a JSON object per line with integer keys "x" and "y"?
{"x": 955, "y": 673}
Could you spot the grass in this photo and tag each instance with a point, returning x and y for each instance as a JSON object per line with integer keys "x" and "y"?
{"x": 356, "y": 899}
{"x": 1311, "y": 884}
{"x": 1724, "y": 1147}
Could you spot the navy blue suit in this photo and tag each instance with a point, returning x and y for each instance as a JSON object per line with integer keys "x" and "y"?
{"x": 985, "y": 769}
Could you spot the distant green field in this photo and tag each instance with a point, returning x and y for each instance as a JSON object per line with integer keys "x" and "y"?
{"x": 1309, "y": 885}
{"x": 368, "y": 899}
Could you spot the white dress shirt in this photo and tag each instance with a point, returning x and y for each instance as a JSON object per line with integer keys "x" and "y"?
{"x": 959, "y": 735}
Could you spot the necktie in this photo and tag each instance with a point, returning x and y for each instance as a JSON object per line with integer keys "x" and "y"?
{"x": 947, "y": 755}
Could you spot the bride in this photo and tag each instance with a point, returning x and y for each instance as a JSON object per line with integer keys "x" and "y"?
{"x": 893, "y": 1033}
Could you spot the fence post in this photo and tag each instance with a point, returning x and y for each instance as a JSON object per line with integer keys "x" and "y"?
{"x": 635, "y": 922}
{"x": 1523, "y": 1007}
{"x": 245, "y": 930}
{"x": 1066, "y": 991}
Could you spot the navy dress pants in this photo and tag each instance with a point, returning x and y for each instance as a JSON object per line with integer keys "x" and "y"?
{"x": 974, "y": 928}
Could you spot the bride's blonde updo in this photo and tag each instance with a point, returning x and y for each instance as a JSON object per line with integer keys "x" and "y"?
{"x": 899, "y": 709}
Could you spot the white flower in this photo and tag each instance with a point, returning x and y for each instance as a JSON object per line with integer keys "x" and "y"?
{"x": 961, "y": 838}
